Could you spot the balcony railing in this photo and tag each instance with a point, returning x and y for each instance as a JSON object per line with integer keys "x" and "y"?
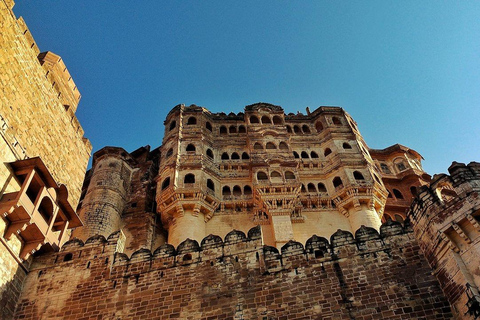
{"x": 39, "y": 212}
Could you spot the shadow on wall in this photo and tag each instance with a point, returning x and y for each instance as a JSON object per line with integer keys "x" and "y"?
{"x": 10, "y": 293}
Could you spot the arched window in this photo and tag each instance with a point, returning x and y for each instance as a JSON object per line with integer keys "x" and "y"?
{"x": 277, "y": 120}
{"x": 165, "y": 183}
{"x": 337, "y": 182}
{"x": 237, "y": 191}
{"x": 313, "y": 154}
{"x": 289, "y": 175}
{"x": 235, "y": 156}
{"x": 266, "y": 120}
{"x": 304, "y": 155}
{"x": 192, "y": 121}
{"x": 319, "y": 126}
{"x": 346, "y": 146}
{"x": 321, "y": 187}
{"x": 296, "y": 129}
{"x": 336, "y": 121}
{"x": 208, "y": 125}
{"x": 305, "y": 129}
{"x": 358, "y": 176}
{"x": 311, "y": 187}
{"x": 283, "y": 146}
{"x": 303, "y": 189}
{"x": 232, "y": 129}
{"x": 226, "y": 191}
{"x": 223, "y": 130}
{"x": 189, "y": 178}
{"x": 389, "y": 194}
{"x": 245, "y": 156}
{"x": 247, "y": 190}
{"x": 225, "y": 156}
{"x": 68, "y": 257}
{"x": 327, "y": 152}
{"x": 398, "y": 218}
{"x": 46, "y": 209}
{"x": 169, "y": 153}
{"x": 385, "y": 168}
{"x": 191, "y": 148}
{"x": 289, "y": 129}
{"x": 242, "y": 129}
{"x": 257, "y": 146}
{"x": 210, "y": 153}
{"x": 210, "y": 184}
{"x": 270, "y": 145}
{"x": 295, "y": 154}
{"x": 275, "y": 175}
{"x": 254, "y": 119}
{"x": 262, "y": 175}
{"x": 401, "y": 166}
{"x": 173, "y": 124}
{"x": 397, "y": 194}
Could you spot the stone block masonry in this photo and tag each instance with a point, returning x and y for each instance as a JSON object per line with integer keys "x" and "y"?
{"x": 371, "y": 276}
{"x": 446, "y": 221}
{"x": 35, "y": 117}
{"x": 38, "y": 99}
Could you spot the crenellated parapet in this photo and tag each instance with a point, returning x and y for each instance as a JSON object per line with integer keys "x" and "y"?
{"x": 445, "y": 217}
{"x": 341, "y": 245}
{"x": 238, "y": 275}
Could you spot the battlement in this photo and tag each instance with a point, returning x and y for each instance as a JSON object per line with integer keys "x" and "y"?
{"x": 238, "y": 278}
{"x": 61, "y": 80}
{"x": 445, "y": 217}
{"x": 446, "y": 190}
{"x": 255, "y": 108}
{"x": 342, "y": 245}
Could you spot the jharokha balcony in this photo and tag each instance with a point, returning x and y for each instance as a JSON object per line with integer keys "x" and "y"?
{"x": 39, "y": 213}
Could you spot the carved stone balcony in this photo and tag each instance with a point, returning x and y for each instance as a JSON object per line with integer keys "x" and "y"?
{"x": 39, "y": 213}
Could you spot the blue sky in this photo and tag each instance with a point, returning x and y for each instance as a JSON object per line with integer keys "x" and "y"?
{"x": 407, "y": 71}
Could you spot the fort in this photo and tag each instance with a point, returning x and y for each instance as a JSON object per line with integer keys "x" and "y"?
{"x": 251, "y": 215}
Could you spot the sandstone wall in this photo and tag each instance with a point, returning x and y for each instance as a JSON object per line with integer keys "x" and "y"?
{"x": 30, "y": 104}
{"x": 12, "y": 274}
{"x": 371, "y": 277}
{"x": 35, "y": 120}
{"x": 446, "y": 221}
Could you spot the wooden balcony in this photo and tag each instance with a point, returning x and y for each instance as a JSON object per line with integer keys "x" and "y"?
{"x": 39, "y": 213}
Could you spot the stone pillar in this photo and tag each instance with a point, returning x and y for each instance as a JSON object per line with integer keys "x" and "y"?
{"x": 186, "y": 225}
{"x": 282, "y": 229}
{"x": 106, "y": 197}
{"x": 364, "y": 215}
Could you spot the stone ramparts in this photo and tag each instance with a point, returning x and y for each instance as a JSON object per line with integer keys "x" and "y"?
{"x": 367, "y": 276}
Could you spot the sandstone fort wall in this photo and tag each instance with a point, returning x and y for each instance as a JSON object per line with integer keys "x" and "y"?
{"x": 374, "y": 276}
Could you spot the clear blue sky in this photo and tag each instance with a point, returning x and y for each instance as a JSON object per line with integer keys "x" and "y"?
{"x": 407, "y": 71}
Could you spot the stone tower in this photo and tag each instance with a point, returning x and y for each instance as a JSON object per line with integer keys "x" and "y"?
{"x": 102, "y": 206}
{"x": 445, "y": 217}
{"x": 119, "y": 194}
{"x": 188, "y": 180}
